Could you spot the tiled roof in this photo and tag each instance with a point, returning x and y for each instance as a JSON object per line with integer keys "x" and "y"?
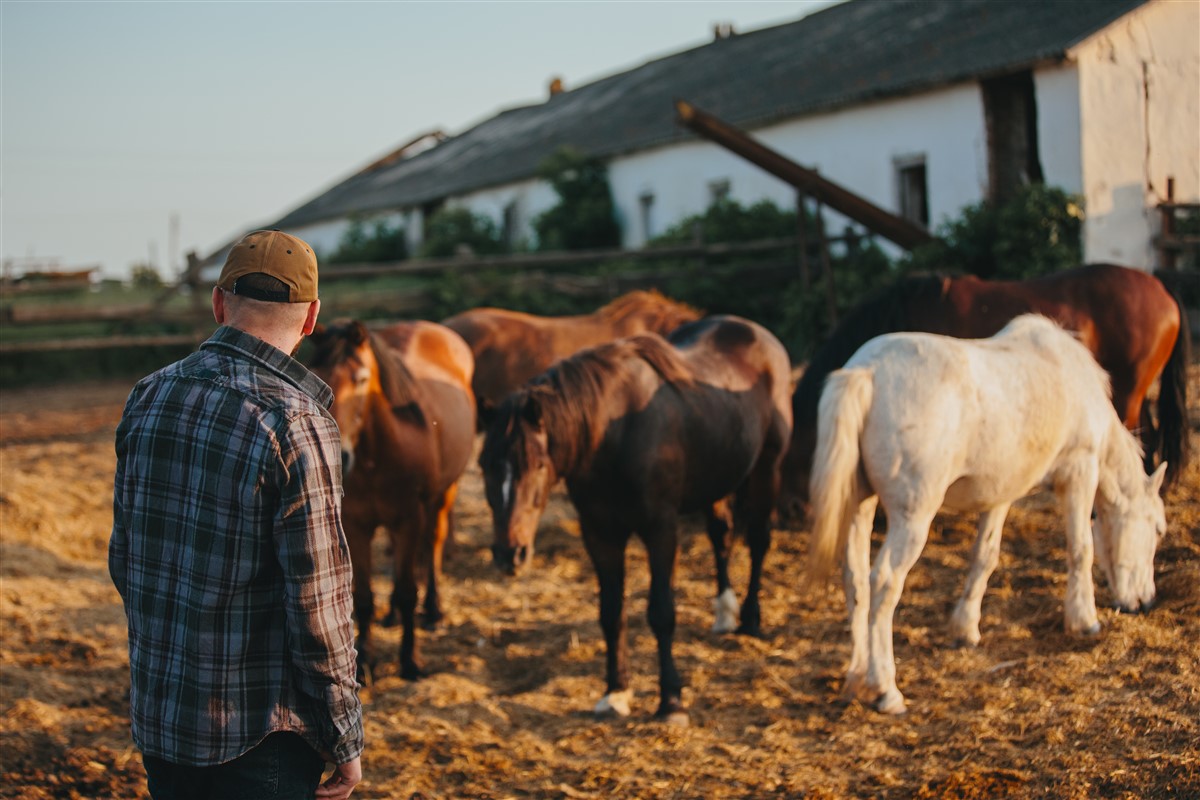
{"x": 846, "y": 54}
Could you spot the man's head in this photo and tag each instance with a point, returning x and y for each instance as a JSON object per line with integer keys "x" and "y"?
{"x": 268, "y": 288}
{"x": 275, "y": 254}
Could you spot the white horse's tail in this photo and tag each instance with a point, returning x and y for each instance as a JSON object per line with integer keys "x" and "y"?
{"x": 834, "y": 486}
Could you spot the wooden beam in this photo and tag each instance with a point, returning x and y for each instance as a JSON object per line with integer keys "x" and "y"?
{"x": 893, "y": 228}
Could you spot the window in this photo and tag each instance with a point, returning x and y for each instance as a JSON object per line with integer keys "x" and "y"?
{"x": 646, "y": 202}
{"x": 912, "y": 190}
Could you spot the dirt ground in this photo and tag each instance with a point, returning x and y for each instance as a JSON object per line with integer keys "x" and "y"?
{"x": 518, "y": 663}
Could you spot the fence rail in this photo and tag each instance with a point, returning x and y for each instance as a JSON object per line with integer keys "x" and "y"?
{"x": 554, "y": 272}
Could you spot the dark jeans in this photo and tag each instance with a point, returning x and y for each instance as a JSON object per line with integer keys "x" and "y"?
{"x": 281, "y": 767}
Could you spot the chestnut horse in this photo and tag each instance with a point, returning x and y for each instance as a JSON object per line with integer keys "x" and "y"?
{"x": 643, "y": 430}
{"x": 403, "y": 403}
{"x": 511, "y": 347}
{"x": 1127, "y": 318}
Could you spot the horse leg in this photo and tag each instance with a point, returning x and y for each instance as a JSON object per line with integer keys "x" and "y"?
{"x": 1076, "y": 496}
{"x": 755, "y": 502}
{"x": 856, "y": 578}
{"x": 407, "y": 544}
{"x": 358, "y": 539}
{"x": 964, "y": 622}
{"x": 720, "y": 533}
{"x": 606, "y": 547}
{"x": 441, "y": 531}
{"x": 906, "y": 537}
{"x": 662, "y": 550}
{"x": 1151, "y": 438}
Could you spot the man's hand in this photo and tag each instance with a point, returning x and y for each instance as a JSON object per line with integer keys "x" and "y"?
{"x": 342, "y": 782}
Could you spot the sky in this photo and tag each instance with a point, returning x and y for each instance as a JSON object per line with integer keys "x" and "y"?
{"x": 133, "y": 132}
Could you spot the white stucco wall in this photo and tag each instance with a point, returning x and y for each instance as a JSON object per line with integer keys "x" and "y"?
{"x": 1057, "y": 93}
{"x": 856, "y": 148}
{"x": 1140, "y": 117}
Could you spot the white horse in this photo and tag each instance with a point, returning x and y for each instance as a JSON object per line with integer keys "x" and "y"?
{"x": 920, "y": 422}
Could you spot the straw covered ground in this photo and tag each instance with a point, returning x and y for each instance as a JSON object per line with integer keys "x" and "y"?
{"x": 518, "y": 663}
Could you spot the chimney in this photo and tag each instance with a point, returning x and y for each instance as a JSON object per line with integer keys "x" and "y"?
{"x": 723, "y": 30}
{"x": 556, "y": 86}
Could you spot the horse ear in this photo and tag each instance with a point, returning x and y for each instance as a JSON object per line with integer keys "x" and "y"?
{"x": 1156, "y": 479}
{"x": 358, "y": 332}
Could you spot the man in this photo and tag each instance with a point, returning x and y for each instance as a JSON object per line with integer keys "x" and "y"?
{"x": 228, "y": 551}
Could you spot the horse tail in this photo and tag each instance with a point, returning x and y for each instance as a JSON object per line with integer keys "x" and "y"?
{"x": 1172, "y": 397}
{"x": 835, "y": 484}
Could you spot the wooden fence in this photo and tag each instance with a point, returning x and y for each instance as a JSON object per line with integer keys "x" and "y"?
{"x": 769, "y": 262}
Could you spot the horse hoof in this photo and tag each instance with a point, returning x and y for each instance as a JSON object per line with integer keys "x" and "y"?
{"x": 726, "y": 608}
{"x": 614, "y": 704}
{"x": 412, "y": 673}
{"x": 677, "y": 719}
{"x": 391, "y": 620}
{"x": 891, "y": 702}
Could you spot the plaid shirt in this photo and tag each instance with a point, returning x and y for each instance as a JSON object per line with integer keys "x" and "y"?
{"x": 228, "y": 552}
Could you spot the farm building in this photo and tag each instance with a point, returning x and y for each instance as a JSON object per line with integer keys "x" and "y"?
{"x": 919, "y": 107}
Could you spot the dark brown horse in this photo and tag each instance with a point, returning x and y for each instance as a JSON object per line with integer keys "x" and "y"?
{"x": 1127, "y": 318}
{"x": 404, "y": 405}
{"x": 511, "y": 347}
{"x": 643, "y": 430}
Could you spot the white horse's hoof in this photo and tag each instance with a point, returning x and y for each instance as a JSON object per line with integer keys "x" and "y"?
{"x": 891, "y": 702}
{"x": 614, "y": 704}
{"x": 726, "y": 609}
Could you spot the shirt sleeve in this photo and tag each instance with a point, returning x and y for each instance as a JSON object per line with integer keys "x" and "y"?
{"x": 118, "y": 542}
{"x": 315, "y": 558}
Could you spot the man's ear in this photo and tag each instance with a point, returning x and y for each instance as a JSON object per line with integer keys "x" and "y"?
{"x": 218, "y": 305}
{"x": 310, "y": 320}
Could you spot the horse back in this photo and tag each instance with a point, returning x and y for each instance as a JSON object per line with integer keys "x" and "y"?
{"x": 442, "y": 365}
{"x": 982, "y": 421}
{"x": 703, "y": 424}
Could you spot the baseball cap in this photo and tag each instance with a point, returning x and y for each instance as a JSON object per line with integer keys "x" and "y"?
{"x": 280, "y": 255}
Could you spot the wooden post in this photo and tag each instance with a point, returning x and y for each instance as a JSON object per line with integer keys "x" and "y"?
{"x": 826, "y": 268}
{"x": 1166, "y": 249}
{"x": 802, "y": 240}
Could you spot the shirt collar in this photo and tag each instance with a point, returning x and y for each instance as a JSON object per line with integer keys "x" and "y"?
{"x": 272, "y": 358}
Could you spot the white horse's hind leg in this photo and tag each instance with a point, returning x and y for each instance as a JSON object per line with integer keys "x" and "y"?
{"x": 905, "y": 539}
{"x": 1076, "y": 496}
{"x": 964, "y": 622}
{"x": 857, "y": 580}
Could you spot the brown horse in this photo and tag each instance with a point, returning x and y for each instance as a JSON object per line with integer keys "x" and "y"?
{"x": 1127, "y": 318}
{"x": 511, "y": 347}
{"x": 404, "y": 405}
{"x": 643, "y": 430}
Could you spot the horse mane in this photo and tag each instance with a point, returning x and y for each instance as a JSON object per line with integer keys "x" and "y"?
{"x": 886, "y": 310}
{"x": 658, "y": 312}
{"x": 339, "y": 341}
{"x": 571, "y": 396}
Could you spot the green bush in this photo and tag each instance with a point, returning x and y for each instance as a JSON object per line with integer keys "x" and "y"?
{"x": 381, "y": 242}
{"x": 728, "y": 221}
{"x": 584, "y": 218}
{"x": 1038, "y": 232}
{"x": 450, "y": 229}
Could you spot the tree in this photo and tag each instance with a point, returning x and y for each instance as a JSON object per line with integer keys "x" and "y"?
{"x": 583, "y": 218}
